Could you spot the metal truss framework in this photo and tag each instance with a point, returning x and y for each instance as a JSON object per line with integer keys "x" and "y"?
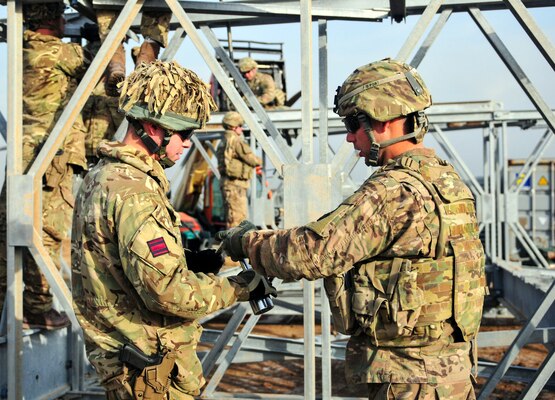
{"x": 303, "y": 178}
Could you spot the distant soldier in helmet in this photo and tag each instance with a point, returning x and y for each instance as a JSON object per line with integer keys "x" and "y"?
{"x": 135, "y": 295}
{"x": 401, "y": 257}
{"x": 51, "y": 71}
{"x": 236, "y": 163}
{"x": 262, "y": 85}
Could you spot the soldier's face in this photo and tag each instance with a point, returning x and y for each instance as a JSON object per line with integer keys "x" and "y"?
{"x": 249, "y": 74}
{"x": 360, "y": 140}
{"x": 175, "y": 147}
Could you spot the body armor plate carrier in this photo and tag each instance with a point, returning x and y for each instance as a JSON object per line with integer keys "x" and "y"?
{"x": 404, "y": 302}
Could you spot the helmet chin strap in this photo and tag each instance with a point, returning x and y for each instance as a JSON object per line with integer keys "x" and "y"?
{"x": 151, "y": 145}
{"x": 371, "y": 159}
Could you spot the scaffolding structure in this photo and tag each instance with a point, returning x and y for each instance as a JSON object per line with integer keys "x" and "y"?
{"x": 316, "y": 173}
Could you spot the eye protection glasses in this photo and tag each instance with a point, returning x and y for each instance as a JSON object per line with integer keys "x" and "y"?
{"x": 353, "y": 122}
{"x": 184, "y": 135}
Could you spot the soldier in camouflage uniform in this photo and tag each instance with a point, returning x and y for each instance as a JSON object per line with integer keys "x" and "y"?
{"x": 154, "y": 28}
{"x": 51, "y": 70}
{"x": 133, "y": 291}
{"x": 262, "y": 85}
{"x": 236, "y": 162}
{"x": 401, "y": 257}
{"x": 100, "y": 114}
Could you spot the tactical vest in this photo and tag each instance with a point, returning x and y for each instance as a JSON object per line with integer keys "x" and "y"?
{"x": 404, "y": 302}
{"x": 230, "y": 166}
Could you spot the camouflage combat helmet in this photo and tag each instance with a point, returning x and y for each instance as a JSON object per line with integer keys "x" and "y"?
{"x": 232, "y": 119}
{"x": 41, "y": 13}
{"x": 169, "y": 96}
{"x": 246, "y": 64}
{"x": 384, "y": 90}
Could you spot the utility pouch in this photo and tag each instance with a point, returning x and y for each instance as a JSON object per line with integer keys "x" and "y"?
{"x": 154, "y": 378}
{"x": 340, "y": 292}
{"x": 234, "y": 169}
{"x": 154, "y": 381}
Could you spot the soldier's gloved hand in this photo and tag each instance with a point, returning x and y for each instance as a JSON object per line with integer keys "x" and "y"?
{"x": 90, "y": 32}
{"x": 231, "y": 239}
{"x": 256, "y": 285}
{"x": 206, "y": 261}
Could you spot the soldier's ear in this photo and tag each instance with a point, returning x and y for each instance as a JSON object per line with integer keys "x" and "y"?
{"x": 380, "y": 127}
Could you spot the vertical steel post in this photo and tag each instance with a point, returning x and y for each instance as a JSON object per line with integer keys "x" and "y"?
{"x": 14, "y": 295}
{"x": 307, "y": 158}
{"x": 323, "y": 159}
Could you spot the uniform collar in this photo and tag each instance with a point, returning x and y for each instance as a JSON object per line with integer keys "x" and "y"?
{"x": 423, "y": 152}
{"x": 136, "y": 158}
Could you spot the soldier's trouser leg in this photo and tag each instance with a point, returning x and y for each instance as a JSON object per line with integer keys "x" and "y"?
{"x": 57, "y": 212}
{"x": 235, "y": 204}
{"x": 115, "y": 71}
{"x": 36, "y": 295}
{"x": 462, "y": 390}
{"x": 105, "y": 20}
{"x": 155, "y": 26}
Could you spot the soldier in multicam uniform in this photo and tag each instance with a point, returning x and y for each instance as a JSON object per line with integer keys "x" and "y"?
{"x": 51, "y": 70}
{"x": 262, "y": 85}
{"x": 236, "y": 162}
{"x": 154, "y": 28}
{"x": 135, "y": 296}
{"x": 401, "y": 257}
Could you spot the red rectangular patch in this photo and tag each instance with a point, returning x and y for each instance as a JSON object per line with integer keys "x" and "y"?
{"x": 158, "y": 247}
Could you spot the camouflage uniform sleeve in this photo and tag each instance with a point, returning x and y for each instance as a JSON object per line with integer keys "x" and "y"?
{"x": 363, "y": 226}
{"x": 245, "y": 154}
{"x": 72, "y": 60}
{"x": 268, "y": 87}
{"x": 154, "y": 262}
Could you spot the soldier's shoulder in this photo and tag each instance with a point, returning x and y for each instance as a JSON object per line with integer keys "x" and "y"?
{"x": 264, "y": 77}
{"x": 122, "y": 179}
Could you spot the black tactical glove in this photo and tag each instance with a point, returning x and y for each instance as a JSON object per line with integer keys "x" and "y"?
{"x": 206, "y": 261}
{"x": 90, "y": 32}
{"x": 232, "y": 243}
{"x": 256, "y": 284}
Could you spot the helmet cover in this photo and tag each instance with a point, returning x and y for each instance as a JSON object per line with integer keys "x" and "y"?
{"x": 246, "y": 64}
{"x": 39, "y": 13}
{"x": 233, "y": 119}
{"x": 168, "y": 95}
{"x": 384, "y": 90}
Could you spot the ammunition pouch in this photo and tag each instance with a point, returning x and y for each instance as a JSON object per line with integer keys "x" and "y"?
{"x": 339, "y": 289}
{"x": 236, "y": 169}
{"x": 387, "y": 302}
{"x": 154, "y": 378}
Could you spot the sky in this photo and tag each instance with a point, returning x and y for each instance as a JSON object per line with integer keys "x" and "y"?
{"x": 460, "y": 66}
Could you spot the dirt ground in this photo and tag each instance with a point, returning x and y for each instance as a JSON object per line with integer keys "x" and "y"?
{"x": 286, "y": 377}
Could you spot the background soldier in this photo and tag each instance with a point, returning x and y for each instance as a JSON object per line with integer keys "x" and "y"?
{"x": 406, "y": 242}
{"x": 154, "y": 28}
{"x": 236, "y": 162}
{"x": 262, "y": 85}
{"x": 135, "y": 296}
{"x": 51, "y": 70}
{"x": 100, "y": 113}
